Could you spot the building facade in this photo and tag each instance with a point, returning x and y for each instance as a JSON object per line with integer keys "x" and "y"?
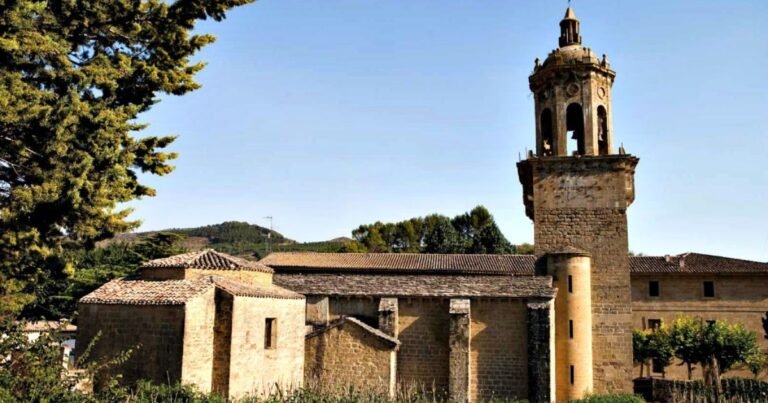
{"x": 546, "y": 328}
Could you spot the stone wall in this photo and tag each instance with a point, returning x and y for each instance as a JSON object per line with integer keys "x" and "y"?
{"x": 198, "y": 353}
{"x": 738, "y": 299}
{"x": 347, "y": 354}
{"x": 159, "y": 330}
{"x": 254, "y": 368}
{"x": 603, "y": 233}
{"x": 498, "y": 355}
{"x": 222, "y": 342}
{"x": 582, "y": 202}
{"x": 423, "y": 357}
{"x": 245, "y": 276}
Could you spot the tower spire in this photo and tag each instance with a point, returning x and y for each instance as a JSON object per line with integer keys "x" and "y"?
{"x": 569, "y": 29}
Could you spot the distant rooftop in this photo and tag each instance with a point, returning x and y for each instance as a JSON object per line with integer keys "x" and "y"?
{"x": 128, "y": 291}
{"x": 490, "y": 264}
{"x": 399, "y": 262}
{"x": 207, "y": 259}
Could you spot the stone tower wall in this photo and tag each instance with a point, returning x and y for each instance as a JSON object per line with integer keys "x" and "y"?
{"x": 581, "y": 203}
{"x": 573, "y": 324}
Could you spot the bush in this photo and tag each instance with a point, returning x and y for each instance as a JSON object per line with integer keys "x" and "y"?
{"x": 611, "y": 398}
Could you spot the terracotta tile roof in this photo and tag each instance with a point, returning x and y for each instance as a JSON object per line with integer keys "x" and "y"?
{"x": 421, "y": 285}
{"x": 207, "y": 259}
{"x": 128, "y": 291}
{"x": 399, "y": 262}
{"x": 132, "y": 291}
{"x": 691, "y": 263}
{"x": 490, "y": 264}
{"x": 348, "y": 319}
{"x": 255, "y": 291}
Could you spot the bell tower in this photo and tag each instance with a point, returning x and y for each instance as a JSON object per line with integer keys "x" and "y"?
{"x": 576, "y": 189}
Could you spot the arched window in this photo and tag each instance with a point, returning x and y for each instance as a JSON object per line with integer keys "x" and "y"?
{"x": 602, "y": 130}
{"x": 574, "y": 123}
{"x": 547, "y": 133}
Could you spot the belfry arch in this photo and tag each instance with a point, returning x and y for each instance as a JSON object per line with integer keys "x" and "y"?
{"x": 547, "y": 133}
{"x": 574, "y": 126}
{"x": 602, "y": 131}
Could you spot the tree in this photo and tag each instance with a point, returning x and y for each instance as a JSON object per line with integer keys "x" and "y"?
{"x": 471, "y": 232}
{"x": 641, "y": 350}
{"x": 96, "y": 267}
{"x": 726, "y": 345}
{"x": 686, "y": 334}
{"x": 440, "y": 236}
{"x": 75, "y": 76}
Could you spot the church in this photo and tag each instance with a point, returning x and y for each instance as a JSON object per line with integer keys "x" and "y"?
{"x": 546, "y": 327}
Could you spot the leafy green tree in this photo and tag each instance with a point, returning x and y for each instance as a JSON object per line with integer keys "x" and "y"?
{"x": 686, "y": 335}
{"x": 74, "y": 77}
{"x": 661, "y": 346}
{"x": 471, "y": 232}
{"x": 440, "y": 236}
{"x": 757, "y": 362}
{"x": 641, "y": 350}
{"x": 353, "y": 247}
{"x": 726, "y": 345}
{"x": 96, "y": 267}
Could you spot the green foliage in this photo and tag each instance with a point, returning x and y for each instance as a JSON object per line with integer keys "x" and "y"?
{"x": 686, "y": 335}
{"x": 652, "y": 344}
{"x": 717, "y": 346}
{"x": 471, "y": 232}
{"x": 74, "y": 77}
{"x": 33, "y": 370}
{"x": 96, "y": 267}
{"x": 610, "y": 398}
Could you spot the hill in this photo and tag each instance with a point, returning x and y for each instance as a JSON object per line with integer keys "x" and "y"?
{"x": 237, "y": 238}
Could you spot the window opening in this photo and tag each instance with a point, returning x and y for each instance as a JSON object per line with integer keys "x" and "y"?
{"x": 602, "y": 130}
{"x": 653, "y": 289}
{"x": 547, "y": 133}
{"x": 570, "y": 328}
{"x": 654, "y": 324}
{"x": 570, "y": 283}
{"x": 709, "y": 289}
{"x": 270, "y": 333}
{"x": 574, "y": 124}
{"x": 573, "y": 375}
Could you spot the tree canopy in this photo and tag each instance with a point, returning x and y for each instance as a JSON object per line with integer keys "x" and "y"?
{"x": 74, "y": 78}
{"x": 471, "y": 232}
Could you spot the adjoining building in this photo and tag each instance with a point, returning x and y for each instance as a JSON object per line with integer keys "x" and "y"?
{"x": 549, "y": 327}
{"x": 203, "y": 318}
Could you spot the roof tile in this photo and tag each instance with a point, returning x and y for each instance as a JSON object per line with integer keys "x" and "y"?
{"x": 207, "y": 259}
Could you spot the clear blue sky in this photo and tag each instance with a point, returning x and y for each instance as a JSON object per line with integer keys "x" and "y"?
{"x": 329, "y": 114}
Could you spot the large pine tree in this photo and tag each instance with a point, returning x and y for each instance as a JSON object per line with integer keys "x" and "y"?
{"x": 74, "y": 76}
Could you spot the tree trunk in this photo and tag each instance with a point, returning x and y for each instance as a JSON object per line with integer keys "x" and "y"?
{"x": 715, "y": 369}
{"x": 690, "y": 371}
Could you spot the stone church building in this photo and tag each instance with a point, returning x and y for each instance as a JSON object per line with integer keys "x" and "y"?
{"x": 549, "y": 327}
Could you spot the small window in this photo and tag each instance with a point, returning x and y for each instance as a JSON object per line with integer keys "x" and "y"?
{"x": 709, "y": 289}
{"x": 711, "y": 322}
{"x": 570, "y": 328}
{"x": 654, "y": 324}
{"x": 653, "y": 289}
{"x": 270, "y": 333}
{"x": 656, "y": 366}
{"x": 570, "y": 283}
{"x": 573, "y": 375}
